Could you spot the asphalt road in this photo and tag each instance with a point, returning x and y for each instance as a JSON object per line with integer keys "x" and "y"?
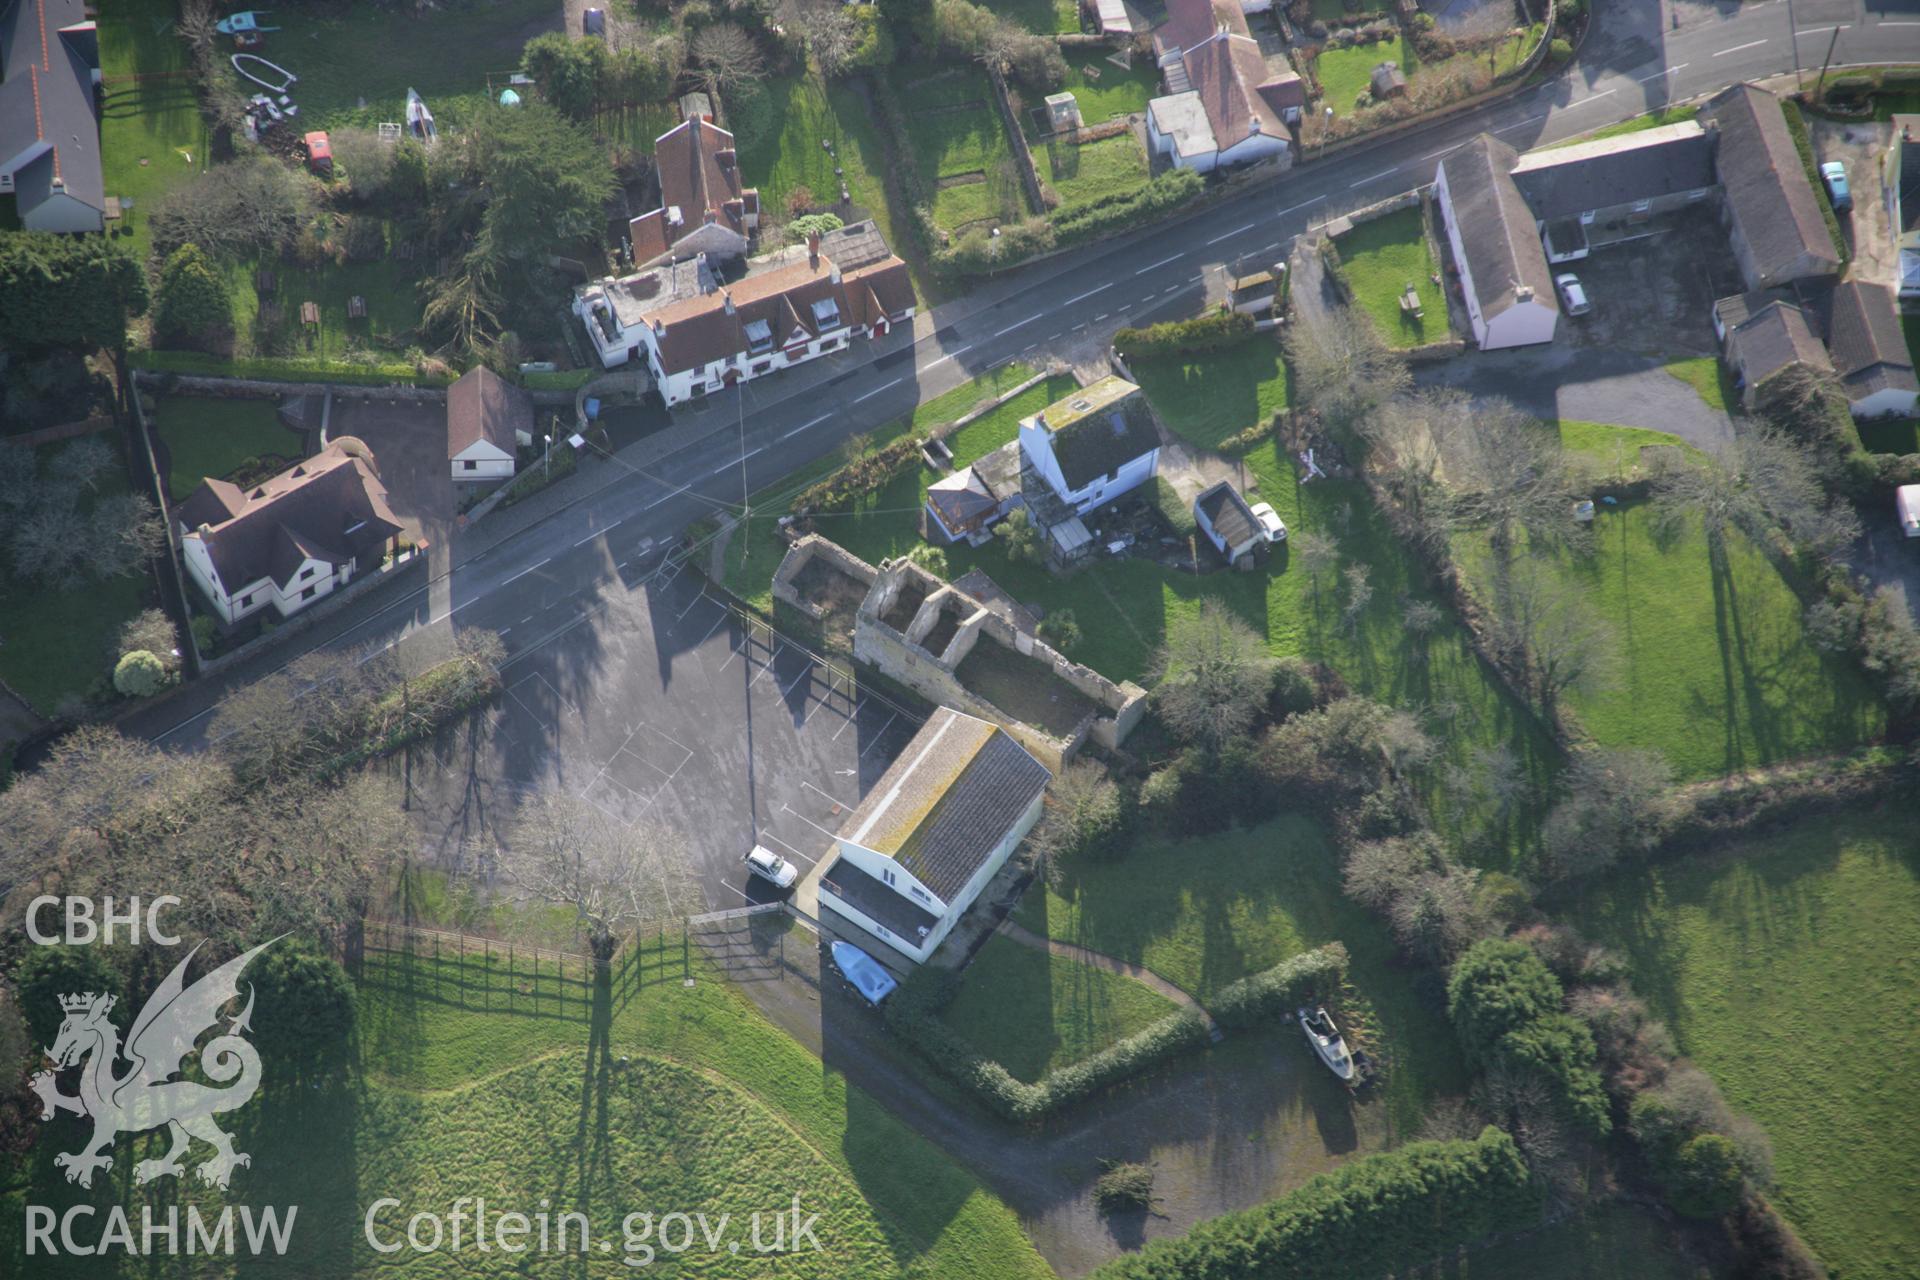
{"x": 543, "y": 584}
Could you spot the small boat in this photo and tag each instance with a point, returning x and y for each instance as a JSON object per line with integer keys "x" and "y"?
{"x": 245, "y": 20}
{"x": 419, "y": 119}
{"x": 1326, "y": 1041}
{"x": 286, "y": 81}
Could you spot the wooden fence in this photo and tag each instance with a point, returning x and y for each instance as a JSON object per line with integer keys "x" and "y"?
{"x": 482, "y": 973}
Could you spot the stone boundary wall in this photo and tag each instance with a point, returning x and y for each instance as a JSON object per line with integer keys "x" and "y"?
{"x": 301, "y": 621}
{"x": 1017, "y": 140}
{"x": 62, "y": 431}
{"x": 802, "y": 553}
{"x": 206, "y": 385}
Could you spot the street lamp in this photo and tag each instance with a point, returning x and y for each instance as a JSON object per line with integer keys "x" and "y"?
{"x": 1325, "y": 131}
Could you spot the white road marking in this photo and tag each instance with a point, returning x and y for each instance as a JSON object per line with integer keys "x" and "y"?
{"x": 1384, "y": 173}
{"x": 880, "y": 736}
{"x": 1295, "y": 208}
{"x": 1521, "y": 124}
{"x": 1231, "y": 234}
{"x": 710, "y": 630}
{"x": 789, "y": 848}
{"x": 1089, "y": 293}
{"x": 691, "y": 605}
{"x": 787, "y": 808}
{"x": 803, "y": 426}
{"x": 806, "y": 673}
{"x": 854, "y": 715}
{"x": 836, "y": 799}
{"x": 885, "y": 386}
{"x": 1661, "y": 75}
{"x": 589, "y": 538}
{"x": 1820, "y": 31}
{"x": 524, "y": 572}
{"x": 1751, "y": 44}
{"x": 676, "y": 493}
{"x": 1434, "y": 155}
{"x": 1152, "y": 266}
{"x": 1595, "y": 97}
{"x": 1015, "y": 325}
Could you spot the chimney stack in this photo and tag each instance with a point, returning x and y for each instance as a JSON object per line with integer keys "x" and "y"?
{"x": 813, "y": 251}
{"x": 727, "y": 299}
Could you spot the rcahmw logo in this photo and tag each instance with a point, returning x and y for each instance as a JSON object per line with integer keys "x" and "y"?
{"x": 150, "y": 1094}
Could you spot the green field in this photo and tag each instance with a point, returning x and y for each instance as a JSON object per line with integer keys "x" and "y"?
{"x": 1708, "y": 376}
{"x": 1347, "y": 73}
{"x": 1379, "y": 259}
{"x": 1786, "y": 968}
{"x": 212, "y": 437}
{"x": 809, "y": 113}
{"x": 1713, "y": 668}
{"x": 959, "y": 143}
{"x": 151, "y": 135}
{"x": 1205, "y": 912}
{"x": 57, "y": 643}
{"x": 1043, "y": 17}
{"x": 1083, "y": 174}
{"x": 1124, "y": 606}
{"x": 655, "y": 1097}
{"x": 1032, "y": 1012}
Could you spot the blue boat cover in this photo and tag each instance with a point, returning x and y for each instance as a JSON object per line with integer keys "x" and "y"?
{"x": 866, "y": 974}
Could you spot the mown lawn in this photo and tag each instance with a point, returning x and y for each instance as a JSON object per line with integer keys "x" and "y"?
{"x": 1207, "y": 911}
{"x": 152, "y": 138}
{"x": 809, "y": 113}
{"x": 1347, "y": 73}
{"x": 1706, "y": 375}
{"x": 1379, "y": 259}
{"x": 1033, "y": 1012}
{"x": 1711, "y": 665}
{"x": 1124, "y": 606}
{"x": 638, "y": 126}
{"x": 1650, "y": 120}
{"x": 1786, "y": 968}
{"x": 1107, "y": 93}
{"x": 58, "y": 643}
{"x": 1083, "y": 174}
{"x": 1042, "y": 17}
{"x": 212, "y": 437}
{"x": 356, "y": 65}
{"x": 661, "y": 1098}
{"x": 959, "y": 143}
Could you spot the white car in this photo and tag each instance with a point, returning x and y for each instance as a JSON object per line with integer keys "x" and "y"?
{"x": 1271, "y": 525}
{"x": 1572, "y": 296}
{"x": 771, "y": 867}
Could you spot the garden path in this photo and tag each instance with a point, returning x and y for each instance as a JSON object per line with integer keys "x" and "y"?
{"x": 1125, "y": 968}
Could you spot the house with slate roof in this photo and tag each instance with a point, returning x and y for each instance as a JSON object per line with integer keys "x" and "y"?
{"x": 486, "y": 418}
{"x": 288, "y": 541}
{"x": 1223, "y": 104}
{"x": 1494, "y": 236}
{"x": 1093, "y": 446}
{"x": 49, "y": 130}
{"x": 1773, "y": 216}
{"x": 1869, "y": 351}
{"x": 928, "y": 837}
{"x": 1775, "y": 337}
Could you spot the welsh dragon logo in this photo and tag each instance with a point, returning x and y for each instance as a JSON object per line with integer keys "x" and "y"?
{"x": 148, "y": 1094}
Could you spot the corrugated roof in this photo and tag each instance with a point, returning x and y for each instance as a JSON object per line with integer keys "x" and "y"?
{"x": 952, "y": 796}
{"x": 1228, "y": 513}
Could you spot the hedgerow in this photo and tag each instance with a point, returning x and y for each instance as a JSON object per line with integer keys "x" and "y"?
{"x": 1277, "y": 992}
{"x": 1213, "y": 331}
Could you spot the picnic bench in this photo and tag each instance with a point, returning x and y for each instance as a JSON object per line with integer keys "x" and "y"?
{"x": 356, "y": 308}
{"x": 1410, "y": 304}
{"x": 310, "y": 313}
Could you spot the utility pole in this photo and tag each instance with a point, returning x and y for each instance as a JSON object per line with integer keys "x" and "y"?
{"x": 1821, "y": 83}
{"x": 746, "y": 505}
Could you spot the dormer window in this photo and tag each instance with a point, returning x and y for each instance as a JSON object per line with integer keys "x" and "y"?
{"x": 759, "y": 337}
{"x": 826, "y": 314}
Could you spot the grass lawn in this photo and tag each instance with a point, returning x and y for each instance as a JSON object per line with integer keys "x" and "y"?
{"x": 56, "y": 642}
{"x": 957, "y": 134}
{"x": 429, "y": 898}
{"x": 389, "y": 286}
{"x": 1043, "y": 17}
{"x": 1083, "y": 174}
{"x": 1706, "y": 375}
{"x": 356, "y": 64}
{"x": 1333, "y": 10}
{"x": 1205, "y": 912}
{"x": 808, "y": 114}
{"x": 1611, "y": 1240}
{"x": 637, "y": 127}
{"x": 1786, "y": 969}
{"x": 1650, "y": 120}
{"x": 658, "y": 1098}
{"x": 1033, "y": 1012}
{"x": 1714, "y": 669}
{"x": 1379, "y": 260}
{"x": 1109, "y": 93}
{"x": 1347, "y": 73}
{"x": 151, "y": 135}
{"x": 212, "y": 437}
{"x": 1124, "y": 606}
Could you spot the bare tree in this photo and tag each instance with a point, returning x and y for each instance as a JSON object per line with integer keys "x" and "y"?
{"x": 1317, "y": 553}
{"x": 727, "y": 56}
{"x": 1615, "y": 802}
{"x": 1342, "y": 367}
{"x": 81, "y": 463}
{"x": 1359, "y": 595}
{"x": 252, "y": 205}
{"x": 1762, "y": 480}
{"x": 1506, "y": 471}
{"x": 153, "y": 631}
{"x": 1403, "y": 442}
{"x": 830, "y": 30}
{"x": 613, "y": 877}
{"x": 1550, "y": 626}
{"x": 1217, "y": 675}
{"x": 1084, "y": 816}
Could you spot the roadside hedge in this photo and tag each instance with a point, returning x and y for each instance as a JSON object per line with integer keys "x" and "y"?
{"x": 860, "y": 477}
{"x": 1116, "y": 212}
{"x": 1277, "y": 992}
{"x": 1377, "y": 1215}
{"x": 913, "y": 1014}
{"x": 1797, "y": 125}
{"x": 1210, "y": 332}
{"x": 1177, "y": 514}
{"x": 283, "y": 369}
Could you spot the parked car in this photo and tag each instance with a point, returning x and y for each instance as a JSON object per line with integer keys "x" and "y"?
{"x": 1573, "y": 297}
{"x": 1834, "y": 174}
{"x": 1271, "y": 525}
{"x": 865, "y": 974}
{"x": 771, "y": 867}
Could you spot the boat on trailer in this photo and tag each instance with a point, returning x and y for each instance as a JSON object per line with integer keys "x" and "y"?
{"x": 419, "y": 119}
{"x": 286, "y": 81}
{"x": 1325, "y": 1038}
